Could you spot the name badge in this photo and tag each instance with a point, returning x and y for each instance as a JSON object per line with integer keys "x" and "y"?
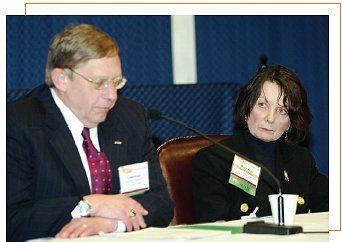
{"x": 134, "y": 178}
{"x": 245, "y": 175}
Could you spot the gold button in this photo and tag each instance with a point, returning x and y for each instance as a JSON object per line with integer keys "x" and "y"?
{"x": 301, "y": 200}
{"x": 244, "y": 207}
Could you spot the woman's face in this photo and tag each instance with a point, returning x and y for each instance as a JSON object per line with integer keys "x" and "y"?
{"x": 269, "y": 119}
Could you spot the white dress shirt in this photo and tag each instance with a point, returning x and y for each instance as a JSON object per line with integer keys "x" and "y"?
{"x": 76, "y": 127}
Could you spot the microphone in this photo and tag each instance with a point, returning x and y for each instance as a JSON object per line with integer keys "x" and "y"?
{"x": 258, "y": 227}
{"x": 263, "y": 62}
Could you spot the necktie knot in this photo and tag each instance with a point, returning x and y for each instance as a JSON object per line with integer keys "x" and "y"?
{"x": 86, "y": 134}
{"x": 88, "y": 146}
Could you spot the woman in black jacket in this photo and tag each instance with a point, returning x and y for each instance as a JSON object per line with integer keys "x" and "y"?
{"x": 271, "y": 118}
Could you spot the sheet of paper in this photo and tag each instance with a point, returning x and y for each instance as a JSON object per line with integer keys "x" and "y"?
{"x": 170, "y": 234}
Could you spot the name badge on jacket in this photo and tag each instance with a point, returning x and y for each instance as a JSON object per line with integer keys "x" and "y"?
{"x": 134, "y": 178}
{"x": 245, "y": 175}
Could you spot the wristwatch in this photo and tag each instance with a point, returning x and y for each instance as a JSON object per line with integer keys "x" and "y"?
{"x": 85, "y": 208}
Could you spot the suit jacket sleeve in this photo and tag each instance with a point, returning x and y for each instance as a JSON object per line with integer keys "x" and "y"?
{"x": 157, "y": 200}
{"x": 316, "y": 184}
{"x": 304, "y": 179}
{"x": 319, "y": 191}
{"x": 31, "y": 213}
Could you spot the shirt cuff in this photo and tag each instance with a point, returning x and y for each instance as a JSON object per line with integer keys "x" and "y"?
{"x": 121, "y": 226}
{"x": 76, "y": 212}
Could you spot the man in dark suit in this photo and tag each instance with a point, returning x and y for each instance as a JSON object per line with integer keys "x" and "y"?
{"x": 51, "y": 187}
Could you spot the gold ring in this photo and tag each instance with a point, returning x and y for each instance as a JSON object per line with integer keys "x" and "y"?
{"x": 132, "y": 213}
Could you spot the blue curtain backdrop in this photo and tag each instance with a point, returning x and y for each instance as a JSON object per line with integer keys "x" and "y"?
{"x": 145, "y": 46}
{"x": 228, "y": 50}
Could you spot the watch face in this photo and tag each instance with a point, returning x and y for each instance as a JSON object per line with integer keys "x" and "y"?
{"x": 84, "y": 208}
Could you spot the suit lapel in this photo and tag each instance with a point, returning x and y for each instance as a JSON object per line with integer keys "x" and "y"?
{"x": 62, "y": 141}
{"x": 64, "y": 145}
{"x": 113, "y": 143}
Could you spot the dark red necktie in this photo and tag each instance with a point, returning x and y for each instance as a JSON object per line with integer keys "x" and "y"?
{"x": 100, "y": 171}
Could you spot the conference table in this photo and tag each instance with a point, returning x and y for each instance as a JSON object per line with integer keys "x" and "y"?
{"x": 315, "y": 229}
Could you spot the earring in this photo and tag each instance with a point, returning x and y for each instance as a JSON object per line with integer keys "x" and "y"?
{"x": 286, "y": 136}
{"x": 246, "y": 121}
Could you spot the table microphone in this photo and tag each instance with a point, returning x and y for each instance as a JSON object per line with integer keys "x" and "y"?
{"x": 258, "y": 227}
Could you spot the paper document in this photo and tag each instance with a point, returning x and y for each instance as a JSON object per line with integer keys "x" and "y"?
{"x": 170, "y": 234}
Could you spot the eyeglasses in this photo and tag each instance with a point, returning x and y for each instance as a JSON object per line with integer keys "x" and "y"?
{"x": 101, "y": 84}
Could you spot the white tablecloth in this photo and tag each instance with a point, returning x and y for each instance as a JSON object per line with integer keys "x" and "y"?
{"x": 315, "y": 227}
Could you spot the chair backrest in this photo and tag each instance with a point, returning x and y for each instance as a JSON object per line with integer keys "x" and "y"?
{"x": 176, "y": 157}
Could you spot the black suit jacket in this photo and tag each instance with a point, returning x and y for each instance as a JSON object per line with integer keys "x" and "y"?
{"x": 216, "y": 199}
{"x": 45, "y": 176}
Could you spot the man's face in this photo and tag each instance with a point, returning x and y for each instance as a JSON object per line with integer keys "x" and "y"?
{"x": 84, "y": 99}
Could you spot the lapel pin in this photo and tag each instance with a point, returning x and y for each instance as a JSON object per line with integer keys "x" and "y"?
{"x": 118, "y": 142}
{"x": 286, "y": 176}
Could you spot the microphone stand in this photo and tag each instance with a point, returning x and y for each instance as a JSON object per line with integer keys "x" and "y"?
{"x": 258, "y": 227}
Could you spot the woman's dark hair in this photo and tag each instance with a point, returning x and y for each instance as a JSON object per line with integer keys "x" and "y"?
{"x": 295, "y": 98}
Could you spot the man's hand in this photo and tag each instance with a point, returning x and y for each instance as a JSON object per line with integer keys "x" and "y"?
{"x": 86, "y": 226}
{"x": 118, "y": 207}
